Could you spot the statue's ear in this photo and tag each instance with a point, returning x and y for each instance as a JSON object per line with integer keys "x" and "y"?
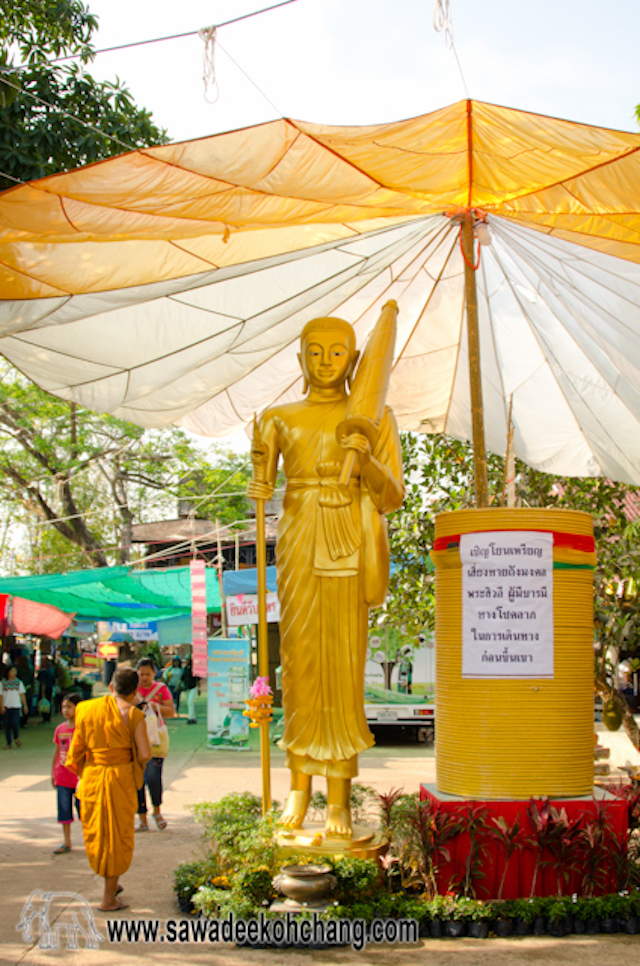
{"x": 305, "y": 382}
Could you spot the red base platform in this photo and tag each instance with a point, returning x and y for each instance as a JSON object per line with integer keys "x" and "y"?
{"x": 522, "y": 863}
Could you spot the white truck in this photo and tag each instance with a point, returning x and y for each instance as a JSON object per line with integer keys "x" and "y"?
{"x": 401, "y": 692}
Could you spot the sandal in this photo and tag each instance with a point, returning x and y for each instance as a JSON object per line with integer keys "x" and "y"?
{"x": 121, "y": 905}
{"x": 160, "y": 822}
{"x": 141, "y": 827}
{"x": 62, "y": 849}
{"x": 119, "y": 890}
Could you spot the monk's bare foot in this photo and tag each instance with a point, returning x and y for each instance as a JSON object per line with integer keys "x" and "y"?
{"x": 295, "y": 810}
{"x": 338, "y": 823}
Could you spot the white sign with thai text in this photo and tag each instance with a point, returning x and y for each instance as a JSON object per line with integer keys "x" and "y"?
{"x": 507, "y": 604}
{"x": 243, "y": 609}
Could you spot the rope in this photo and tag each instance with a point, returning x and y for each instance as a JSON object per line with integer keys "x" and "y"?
{"x": 466, "y": 260}
{"x": 208, "y": 36}
{"x": 142, "y": 43}
{"x": 442, "y": 21}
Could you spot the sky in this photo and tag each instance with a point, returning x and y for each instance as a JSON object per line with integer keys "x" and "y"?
{"x": 370, "y": 61}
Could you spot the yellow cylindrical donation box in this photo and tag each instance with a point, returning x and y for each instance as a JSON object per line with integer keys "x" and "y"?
{"x": 514, "y": 653}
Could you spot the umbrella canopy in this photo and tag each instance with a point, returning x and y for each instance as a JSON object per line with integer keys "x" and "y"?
{"x": 171, "y": 284}
{"x": 115, "y": 593}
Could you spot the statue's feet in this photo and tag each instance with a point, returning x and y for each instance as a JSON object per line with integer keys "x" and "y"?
{"x": 338, "y": 823}
{"x": 295, "y": 809}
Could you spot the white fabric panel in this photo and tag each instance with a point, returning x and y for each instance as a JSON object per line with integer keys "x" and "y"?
{"x": 559, "y": 330}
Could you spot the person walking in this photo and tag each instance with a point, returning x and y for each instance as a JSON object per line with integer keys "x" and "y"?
{"x": 24, "y": 667}
{"x": 108, "y": 753}
{"x": 190, "y": 686}
{"x": 12, "y": 699}
{"x": 63, "y": 780}
{"x": 173, "y": 678}
{"x": 157, "y": 696}
{"x": 46, "y": 684}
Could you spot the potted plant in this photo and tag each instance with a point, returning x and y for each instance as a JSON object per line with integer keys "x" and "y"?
{"x": 478, "y": 917}
{"x": 503, "y": 912}
{"x": 591, "y": 912}
{"x": 447, "y": 917}
{"x": 524, "y": 913}
{"x": 189, "y": 876}
{"x": 510, "y": 838}
{"x": 560, "y": 916}
{"x": 435, "y": 910}
{"x": 453, "y": 917}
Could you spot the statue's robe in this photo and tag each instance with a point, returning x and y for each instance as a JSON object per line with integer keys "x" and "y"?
{"x": 324, "y": 602}
{"x": 103, "y": 753}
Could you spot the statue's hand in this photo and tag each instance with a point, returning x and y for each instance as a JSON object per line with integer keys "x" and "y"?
{"x": 360, "y": 444}
{"x": 259, "y": 450}
{"x": 259, "y": 491}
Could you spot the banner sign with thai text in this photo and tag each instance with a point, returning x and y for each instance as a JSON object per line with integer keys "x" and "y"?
{"x": 198, "y": 619}
{"x": 227, "y": 688}
{"x": 507, "y": 604}
{"x": 243, "y": 609}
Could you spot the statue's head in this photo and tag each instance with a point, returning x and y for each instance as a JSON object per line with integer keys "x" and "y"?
{"x": 328, "y": 354}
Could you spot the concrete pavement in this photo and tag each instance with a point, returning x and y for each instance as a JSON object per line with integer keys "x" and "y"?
{"x": 29, "y": 833}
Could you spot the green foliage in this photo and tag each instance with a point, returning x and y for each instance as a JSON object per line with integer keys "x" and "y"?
{"x": 35, "y": 138}
{"x": 361, "y": 797}
{"x": 225, "y": 474}
{"x": 439, "y": 478}
{"x": 238, "y": 833}
{"x": 355, "y": 878}
{"x": 190, "y": 876}
{"x": 81, "y": 480}
{"x": 255, "y": 885}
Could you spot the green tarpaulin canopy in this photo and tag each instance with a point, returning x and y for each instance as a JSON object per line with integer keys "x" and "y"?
{"x": 115, "y": 593}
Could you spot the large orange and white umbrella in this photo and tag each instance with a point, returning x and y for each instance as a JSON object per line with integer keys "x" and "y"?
{"x": 170, "y": 284}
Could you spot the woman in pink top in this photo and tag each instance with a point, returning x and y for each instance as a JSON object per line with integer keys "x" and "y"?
{"x": 159, "y": 697}
{"x": 63, "y": 780}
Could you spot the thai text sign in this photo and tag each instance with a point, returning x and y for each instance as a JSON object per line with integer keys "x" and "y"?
{"x": 198, "y": 619}
{"x": 243, "y": 609}
{"x": 507, "y": 604}
{"x": 227, "y": 687}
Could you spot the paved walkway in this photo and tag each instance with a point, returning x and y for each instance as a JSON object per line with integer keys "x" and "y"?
{"x": 29, "y": 833}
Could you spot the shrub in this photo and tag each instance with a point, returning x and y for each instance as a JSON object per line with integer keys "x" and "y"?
{"x": 189, "y": 876}
{"x": 355, "y": 878}
{"x": 238, "y": 834}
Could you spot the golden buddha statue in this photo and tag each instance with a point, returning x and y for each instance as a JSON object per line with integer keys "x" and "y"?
{"x": 324, "y": 592}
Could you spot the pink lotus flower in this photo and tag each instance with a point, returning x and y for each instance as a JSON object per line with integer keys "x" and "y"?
{"x": 260, "y": 688}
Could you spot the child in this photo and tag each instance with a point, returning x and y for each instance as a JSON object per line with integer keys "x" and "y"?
{"x": 63, "y": 780}
{"x": 12, "y": 697}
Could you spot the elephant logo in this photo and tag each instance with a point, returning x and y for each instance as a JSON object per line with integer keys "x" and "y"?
{"x": 74, "y": 919}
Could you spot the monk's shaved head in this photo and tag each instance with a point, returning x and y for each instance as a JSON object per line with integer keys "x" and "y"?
{"x": 125, "y": 681}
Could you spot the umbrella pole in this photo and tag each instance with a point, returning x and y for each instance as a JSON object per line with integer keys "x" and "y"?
{"x": 263, "y": 650}
{"x": 475, "y": 381}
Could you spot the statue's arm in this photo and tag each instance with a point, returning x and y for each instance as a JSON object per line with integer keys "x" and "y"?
{"x": 265, "y": 452}
{"x": 382, "y": 471}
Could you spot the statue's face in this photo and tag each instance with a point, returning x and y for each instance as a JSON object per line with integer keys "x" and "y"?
{"x": 326, "y": 358}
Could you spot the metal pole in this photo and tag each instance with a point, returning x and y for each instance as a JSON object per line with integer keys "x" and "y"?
{"x": 263, "y": 649}
{"x": 223, "y": 606}
{"x": 475, "y": 380}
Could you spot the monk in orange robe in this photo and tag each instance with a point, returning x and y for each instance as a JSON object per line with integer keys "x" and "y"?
{"x": 108, "y": 752}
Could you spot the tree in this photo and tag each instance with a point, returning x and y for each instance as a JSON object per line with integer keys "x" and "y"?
{"x": 82, "y": 480}
{"x": 36, "y": 140}
{"x": 439, "y": 475}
